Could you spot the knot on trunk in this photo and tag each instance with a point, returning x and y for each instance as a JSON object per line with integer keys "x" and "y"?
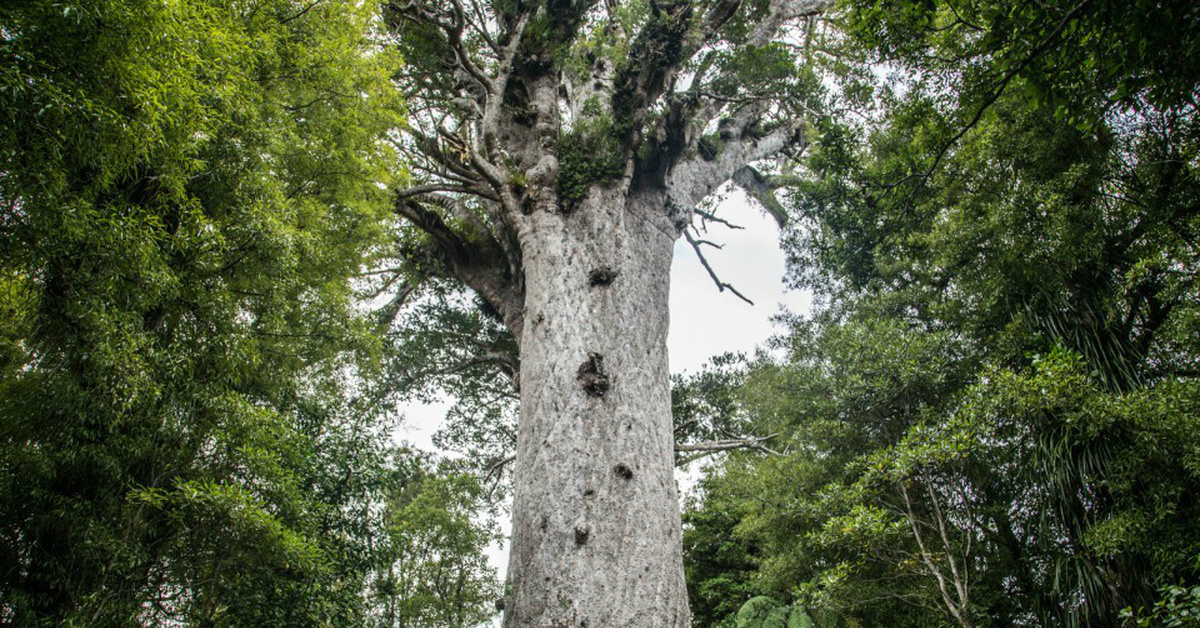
{"x": 602, "y": 276}
{"x": 623, "y": 471}
{"x": 592, "y": 376}
{"x": 581, "y": 536}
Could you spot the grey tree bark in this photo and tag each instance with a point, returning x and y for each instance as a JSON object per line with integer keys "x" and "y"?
{"x": 500, "y": 93}
{"x": 596, "y": 529}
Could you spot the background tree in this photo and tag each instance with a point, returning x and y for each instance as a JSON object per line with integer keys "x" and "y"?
{"x": 986, "y": 422}
{"x": 186, "y": 192}
{"x": 434, "y": 571}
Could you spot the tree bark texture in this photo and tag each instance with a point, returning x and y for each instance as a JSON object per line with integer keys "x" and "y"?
{"x": 553, "y": 179}
{"x": 596, "y": 527}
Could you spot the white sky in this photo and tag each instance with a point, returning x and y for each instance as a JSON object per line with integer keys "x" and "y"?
{"x": 704, "y": 321}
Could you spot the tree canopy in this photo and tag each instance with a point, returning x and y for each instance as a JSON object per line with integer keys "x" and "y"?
{"x": 188, "y": 432}
{"x": 990, "y": 419}
{"x": 235, "y": 236}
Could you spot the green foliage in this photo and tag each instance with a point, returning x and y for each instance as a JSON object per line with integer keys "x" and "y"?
{"x": 774, "y": 69}
{"x": 588, "y": 154}
{"x": 1002, "y": 244}
{"x": 719, "y": 562}
{"x": 452, "y": 347}
{"x": 764, "y": 612}
{"x": 705, "y": 405}
{"x": 434, "y": 571}
{"x": 1179, "y": 607}
{"x": 193, "y": 423}
{"x": 1068, "y": 54}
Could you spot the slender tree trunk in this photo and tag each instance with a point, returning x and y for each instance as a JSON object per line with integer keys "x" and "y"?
{"x": 596, "y": 529}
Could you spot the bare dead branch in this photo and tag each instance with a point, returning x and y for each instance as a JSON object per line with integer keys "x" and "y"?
{"x": 721, "y": 285}
{"x": 704, "y": 449}
{"x": 711, "y": 217}
{"x": 730, "y": 444}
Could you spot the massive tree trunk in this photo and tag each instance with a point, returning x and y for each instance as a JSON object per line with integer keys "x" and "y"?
{"x": 559, "y": 155}
{"x": 596, "y": 530}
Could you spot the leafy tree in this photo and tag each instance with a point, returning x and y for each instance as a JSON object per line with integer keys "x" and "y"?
{"x": 434, "y": 571}
{"x": 186, "y": 190}
{"x": 720, "y": 562}
{"x": 448, "y": 346}
{"x": 1016, "y": 198}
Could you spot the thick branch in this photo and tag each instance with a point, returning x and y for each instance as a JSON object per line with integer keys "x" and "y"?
{"x": 698, "y": 175}
{"x": 654, "y": 57}
{"x": 478, "y": 261}
{"x": 496, "y": 88}
{"x": 780, "y": 13}
{"x": 759, "y": 188}
{"x": 387, "y": 314}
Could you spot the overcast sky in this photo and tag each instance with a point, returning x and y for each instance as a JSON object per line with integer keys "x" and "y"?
{"x": 704, "y": 321}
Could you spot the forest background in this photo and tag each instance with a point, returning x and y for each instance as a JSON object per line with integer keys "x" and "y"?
{"x": 211, "y": 311}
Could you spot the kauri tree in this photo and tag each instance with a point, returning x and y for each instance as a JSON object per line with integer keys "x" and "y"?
{"x": 559, "y": 150}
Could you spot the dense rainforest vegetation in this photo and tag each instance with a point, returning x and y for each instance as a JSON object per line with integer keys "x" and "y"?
{"x": 211, "y": 312}
{"x": 992, "y": 418}
{"x": 191, "y": 425}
